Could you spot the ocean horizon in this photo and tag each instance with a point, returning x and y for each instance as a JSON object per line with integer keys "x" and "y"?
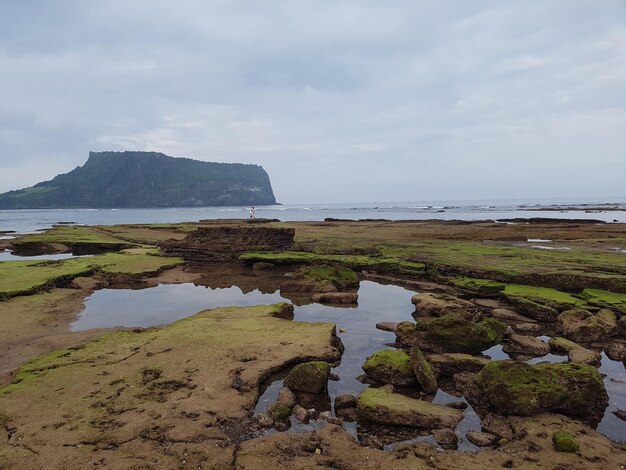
{"x": 604, "y": 209}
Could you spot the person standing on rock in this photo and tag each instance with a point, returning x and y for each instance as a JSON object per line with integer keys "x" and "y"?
{"x": 252, "y": 213}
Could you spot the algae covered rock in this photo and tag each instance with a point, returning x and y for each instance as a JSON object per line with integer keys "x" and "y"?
{"x": 310, "y": 377}
{"x": 453, "y": 333}
{"x": 446, "y": 365}
{"x": 582, "y": 325}
{"x": 279, "y": 412}
{"x": 381, "y": 406}
{"x": 435, "y": 305}
{"x": 606, "y": 299}
{"x": 564, "y": 442}
{"x": 422, "y": 370}
{"x": 525, "y": 346}
{"x": 540, "y": 303}
{"x": 481, "y": 287}
{"x": 390, "y": 366}
{"x": 575, "y": 352}
{"x": 517, "y": 388}
{"x": 322, "y": 279}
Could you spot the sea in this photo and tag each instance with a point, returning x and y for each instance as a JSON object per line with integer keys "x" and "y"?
{"x": 607, "y": 210}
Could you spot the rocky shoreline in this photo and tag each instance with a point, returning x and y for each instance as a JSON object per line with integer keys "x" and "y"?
{"x": 183, "y": 395}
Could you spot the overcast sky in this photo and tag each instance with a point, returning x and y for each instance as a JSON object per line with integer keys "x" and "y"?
{"x": 339, "y": 100}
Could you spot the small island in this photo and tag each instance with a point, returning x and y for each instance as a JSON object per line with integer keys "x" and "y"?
{"x": 146, "y": 179}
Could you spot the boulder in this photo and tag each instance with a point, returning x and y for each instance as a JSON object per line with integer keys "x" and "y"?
{"x": 517, "y": 388}
{"x": 525, "y": 346}
{"x": 422, "y": 370}
{"x": 453, "y": 333}
{"x": 575, "y": 352}
{"x": 407, "y": 335}
{"x": 446, "y": 365}
{"x": 482, "y": 439}
{"x": 264, "y": 420}
{"x": 310, "y": 377}
{"x": 582, "y": 325}
{"x": 390, "y": 366}
{"x": 301, "y": 414}
{"x": 509, "y": 315}
{"x": 616, "y": 351}
{"x": 383, "y": 407}
{"x": 532, "y": 329}
{"x": 446, "y": 438}
{"x": 539, "y": 312}
{"x": 345, "y": 401}
{"x": 279, "y": 412}
{"x": 286, "y": 397}
{"x": 335, "y": 298}
{"x": 435, "y": 305}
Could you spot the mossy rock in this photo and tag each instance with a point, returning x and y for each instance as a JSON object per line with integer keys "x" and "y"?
{"x": 565, "y": 442}
{"x": 582, "y": 325}
{"x": 605, "y": 299}
{"x": 381, "y": 406}
{"x": 453, "y": 333}
{"x": 537, "y": 311}
{"x": 340, "y": 277}
{"x": 423, "y": 371}
{"x": 279, "y": 412}
{"x": 449, "y": 364}
{"x": 390, "y": 366}
{"x": 517, "y": 388}
{"x": 480, "y": 287}
{"x": 540, "y": 303}
{"x": 435, "y": 305}
{"x": 575, "y": 352}
{"x": 310, "y": 377}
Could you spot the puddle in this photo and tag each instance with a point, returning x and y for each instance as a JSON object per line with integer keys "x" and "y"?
{"x": 611, "y": 426}
{"x": 164, "y": 304}
{"x": 7, "y": 255}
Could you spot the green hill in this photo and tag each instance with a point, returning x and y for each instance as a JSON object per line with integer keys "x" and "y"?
{"x": 146, "y": 179}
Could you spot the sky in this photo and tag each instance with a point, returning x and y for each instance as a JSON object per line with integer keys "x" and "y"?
{"x": 339, "y": 100}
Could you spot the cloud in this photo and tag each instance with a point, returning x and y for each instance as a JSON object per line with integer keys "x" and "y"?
{"x": 339, "y": 101}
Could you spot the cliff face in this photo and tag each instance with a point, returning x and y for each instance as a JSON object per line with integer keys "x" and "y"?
{"x": 146, "y": 179}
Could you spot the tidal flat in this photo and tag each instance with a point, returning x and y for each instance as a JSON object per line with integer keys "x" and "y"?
{"x": 341, "y": 344}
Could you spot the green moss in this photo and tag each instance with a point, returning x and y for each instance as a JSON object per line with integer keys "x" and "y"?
{"x": 390, "y": 366}
{"x": 69, "y": 235}
{"x": 565, "y": 442}
{"x": 521, "y": 389}
{"x": 26, "y": 277}
{"x": 605, "y": 299}
{"x": 478, "y": 286}
{"x": 311, "y": 377}
{"x": 279, "y": 412}
{"x": 354, "y": 262}
{"x": 543, "y": 295}
{"x": 342, "y": 278}
{"x": 376, "y": 398}
{"x": 247, "y": 329}
{"x": 456, "y": 334}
